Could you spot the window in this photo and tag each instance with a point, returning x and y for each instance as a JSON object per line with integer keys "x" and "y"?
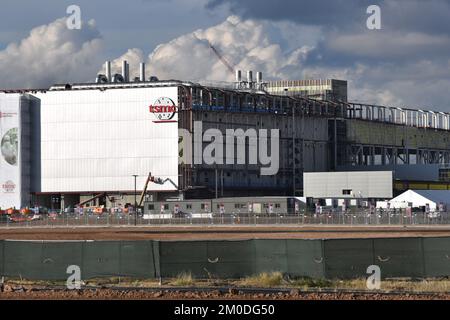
{"x": 189, "y": 206}
{"x": 151, "y": 207}
{"x": 277, "y": 205}
{"x": 166, "y": 207}
{"x": 202, "y": 206}
{"x": 347, "y": 192}
{"x": 237, "y": 206}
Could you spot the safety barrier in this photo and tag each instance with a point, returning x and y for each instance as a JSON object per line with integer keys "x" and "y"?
{"x": 329, "y": 258}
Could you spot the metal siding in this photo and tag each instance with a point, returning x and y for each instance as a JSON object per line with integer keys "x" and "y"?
{"x": 95, "y": 140}
{"x": 376, "y": 184}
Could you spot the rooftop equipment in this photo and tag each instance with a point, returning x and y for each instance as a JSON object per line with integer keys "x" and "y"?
{"x": 125, "y": 71}
{"x": 108, "y": 71}
{"x": 142, "y": 72}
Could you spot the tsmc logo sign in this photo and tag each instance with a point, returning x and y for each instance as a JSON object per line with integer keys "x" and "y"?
{"x": 8, "y": 186}
{"x": 7, "y": 115}
{"x": 164, "y": 110}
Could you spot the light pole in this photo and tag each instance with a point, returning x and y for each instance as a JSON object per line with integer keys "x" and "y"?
{"x": 135, "y": 200}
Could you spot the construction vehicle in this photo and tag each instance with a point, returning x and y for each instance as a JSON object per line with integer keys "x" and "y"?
{"x": 152, "y": 179}
{"x": 11, "y": 211}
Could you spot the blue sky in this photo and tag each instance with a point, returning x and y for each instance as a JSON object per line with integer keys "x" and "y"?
{"x": 406, "y": 63}
{"x": 123, "y": 24}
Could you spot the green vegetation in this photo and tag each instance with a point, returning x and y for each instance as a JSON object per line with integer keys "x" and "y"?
{"x": 184, "y": 279}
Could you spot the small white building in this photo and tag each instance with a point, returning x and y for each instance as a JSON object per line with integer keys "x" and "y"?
{"x": 356, "y": 185}
{"x": 419, "y": 198}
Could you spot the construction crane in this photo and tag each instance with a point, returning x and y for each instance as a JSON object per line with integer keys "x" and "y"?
{"x": 218, "y": 54}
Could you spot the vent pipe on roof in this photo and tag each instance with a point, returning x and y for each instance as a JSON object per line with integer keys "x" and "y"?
{"x": 250, "y": 79}
{"x": 238, "y": 76}
{"x": 125, "y": 72}
{"x": 259, "y": 77}
{"x": 259, "y": 80}
{"x": 142, "y": 72}
{"x": 108, "y": 70}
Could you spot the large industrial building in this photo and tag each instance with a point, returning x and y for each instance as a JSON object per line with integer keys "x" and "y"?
{"x": 70, "y": 143}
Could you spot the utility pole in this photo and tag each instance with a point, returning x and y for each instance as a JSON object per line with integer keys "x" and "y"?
{"x": 293, "y": 149}
{"x": 135, "y": 199}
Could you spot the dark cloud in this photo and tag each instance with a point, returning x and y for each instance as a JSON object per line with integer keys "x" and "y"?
{"x": 336, "y": 13}
{"x": 386, "y": 66}
{"x": 411, "y": 15}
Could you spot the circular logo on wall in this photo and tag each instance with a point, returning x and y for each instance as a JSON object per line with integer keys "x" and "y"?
{"x": 10, "y": 146}
{"x": 9, "y": 187}
{"x": 163, "y": 109}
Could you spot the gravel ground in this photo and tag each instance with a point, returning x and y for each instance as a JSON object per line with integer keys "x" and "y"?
{"x": 215, "y": 232}
{"x": 233, "y": 294}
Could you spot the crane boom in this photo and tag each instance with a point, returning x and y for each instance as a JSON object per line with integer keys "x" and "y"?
{"x": 221, "y": 58}
{"x": 218, "y": 55}
{"x": 145, "y": 189}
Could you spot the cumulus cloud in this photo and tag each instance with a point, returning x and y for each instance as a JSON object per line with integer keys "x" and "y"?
{"x": 403, "y": 64}
{"x": 244, "y": 44}
{"x": 396, "y": 67}
{"x": 51, "y": 54}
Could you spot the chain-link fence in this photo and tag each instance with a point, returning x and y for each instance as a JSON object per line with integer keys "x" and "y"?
{"x": 131, "y": 219}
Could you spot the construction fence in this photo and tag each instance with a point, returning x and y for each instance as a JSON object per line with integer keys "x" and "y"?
{"x": 332, "y": 218}
{"x": 330, "y": 259}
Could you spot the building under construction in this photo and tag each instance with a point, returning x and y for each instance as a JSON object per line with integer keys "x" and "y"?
{"x": 71, "y": 143}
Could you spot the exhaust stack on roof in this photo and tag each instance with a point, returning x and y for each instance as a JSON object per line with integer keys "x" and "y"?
{"x": 125, "y": 71}
{"x": 250, "y": 79}
{"x": 108, "y": 70}
{"x": 259, "y": 77}
{"x": 249, "y": 76}
{"x": 142, "y": 72}
{"x": 238, "y": 76}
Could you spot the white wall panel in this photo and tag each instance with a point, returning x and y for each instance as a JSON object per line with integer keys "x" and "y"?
{"x": 10, "y": 156}
{"x": 95, "y": 140}
{"x": 363, "y": 184}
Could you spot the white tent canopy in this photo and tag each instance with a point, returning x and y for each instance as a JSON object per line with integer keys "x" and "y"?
{"x": 420, "y": 198}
